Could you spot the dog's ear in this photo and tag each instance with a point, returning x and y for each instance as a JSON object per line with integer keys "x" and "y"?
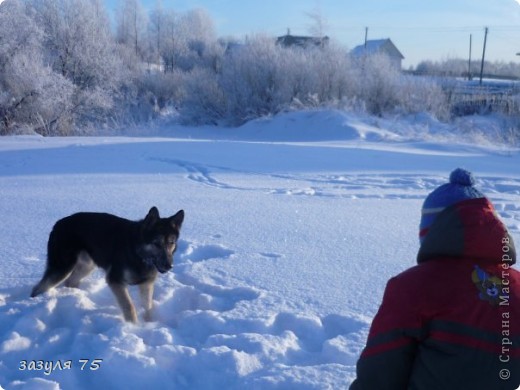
{"x": 151, "y": 218}
{"x": 177, "y": 219}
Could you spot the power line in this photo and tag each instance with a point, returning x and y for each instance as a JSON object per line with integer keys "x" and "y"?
{"x": 432, "y": 29}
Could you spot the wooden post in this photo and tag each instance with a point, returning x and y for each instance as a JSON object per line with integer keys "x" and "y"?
{"x": 483, "y": 55}
{"x": 469, "y": 61}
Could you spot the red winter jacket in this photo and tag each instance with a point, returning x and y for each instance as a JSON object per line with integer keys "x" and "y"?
{"x": 452, "y": 321}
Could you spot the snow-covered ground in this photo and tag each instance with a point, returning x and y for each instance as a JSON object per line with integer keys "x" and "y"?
{"x": 293, "y": 226}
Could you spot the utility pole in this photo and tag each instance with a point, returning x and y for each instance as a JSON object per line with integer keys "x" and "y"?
{"x": 469, "y": 61}
{"x": 483, "y": 55}
{"x": 366, "y": 37}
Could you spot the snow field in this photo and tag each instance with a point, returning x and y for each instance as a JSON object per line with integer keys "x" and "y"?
{"x": 282, "y": 261}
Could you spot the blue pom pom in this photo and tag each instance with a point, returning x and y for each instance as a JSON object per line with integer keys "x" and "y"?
{"x": 462, "y": 177}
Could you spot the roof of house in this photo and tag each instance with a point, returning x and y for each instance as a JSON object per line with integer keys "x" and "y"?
{"x": 302, "y": 41}
{"x": 377, "y": 46}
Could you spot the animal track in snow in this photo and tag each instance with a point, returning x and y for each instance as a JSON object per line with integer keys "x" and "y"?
{"x": 270, "y": 255}
{"x": 197, "y": 172}
{"x": 196, "y": 253}
{"x": 206, "y": 316}
{"x": 510, "y": 214}
{"x": 500, "y": 185}
{"x": 193, "y": 293}
{"x": 348, "y": 185}
{"x": 294, "y": 339}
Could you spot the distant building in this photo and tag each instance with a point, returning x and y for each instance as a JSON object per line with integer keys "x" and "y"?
{"x": 380, "y": 46}
{"x": 289, "y": 40}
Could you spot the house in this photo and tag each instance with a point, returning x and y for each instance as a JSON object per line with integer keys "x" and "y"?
{"x": 289, "y": 40}
{"x": 380, "y": 46}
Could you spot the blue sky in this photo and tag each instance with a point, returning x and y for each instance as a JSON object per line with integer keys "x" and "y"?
{"x": 435, "y": 29}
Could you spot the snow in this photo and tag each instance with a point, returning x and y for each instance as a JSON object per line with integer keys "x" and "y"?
{"x": 293, "y": 226}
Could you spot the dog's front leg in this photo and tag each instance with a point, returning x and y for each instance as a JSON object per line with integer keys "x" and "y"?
{"x": 124, "y": 301}
{"x": 146, "y": 293}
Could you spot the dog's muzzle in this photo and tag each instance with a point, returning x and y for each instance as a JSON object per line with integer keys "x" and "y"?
{"x": 163, "y": 268}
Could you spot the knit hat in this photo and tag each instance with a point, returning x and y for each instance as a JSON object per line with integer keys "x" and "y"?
{"x": 460, "y": 188}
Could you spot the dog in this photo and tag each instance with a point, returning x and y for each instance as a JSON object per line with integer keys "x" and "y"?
{"x": 130, "y": 252}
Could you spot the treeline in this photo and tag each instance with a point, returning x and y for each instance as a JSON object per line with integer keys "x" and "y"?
{"x": 65, "y": 69}
{"x": 463, "y": 68}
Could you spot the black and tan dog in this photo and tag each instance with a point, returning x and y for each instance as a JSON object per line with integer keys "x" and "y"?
{"x": 130, "y": 252}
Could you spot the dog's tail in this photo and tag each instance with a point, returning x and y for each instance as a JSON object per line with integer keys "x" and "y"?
{"x": 61, "y": 259}
{"x": 48, "y": 281}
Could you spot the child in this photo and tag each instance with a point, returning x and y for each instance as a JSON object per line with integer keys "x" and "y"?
{"x": 453, "y": 320}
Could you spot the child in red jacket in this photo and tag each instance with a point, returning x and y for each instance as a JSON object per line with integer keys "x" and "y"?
{"x": 453, "y": 320}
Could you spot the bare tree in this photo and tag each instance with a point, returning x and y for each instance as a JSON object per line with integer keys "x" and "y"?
{"x": 318, "y": 23}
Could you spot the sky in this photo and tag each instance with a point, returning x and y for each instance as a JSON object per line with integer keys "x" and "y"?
{"x": 421, "y": 30}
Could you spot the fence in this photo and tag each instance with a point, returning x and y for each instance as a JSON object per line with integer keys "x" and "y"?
{"x": 469, "y": 98}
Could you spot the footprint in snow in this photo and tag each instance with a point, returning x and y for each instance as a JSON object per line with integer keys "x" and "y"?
{"x": 270, "y": 255}
{"x": 194, "y": 253}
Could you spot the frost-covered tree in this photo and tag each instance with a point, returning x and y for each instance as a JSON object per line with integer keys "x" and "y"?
{"x": 329, "y": 69}
{"x": 250, "y": 79}
{"x": 379, "y": 81}
{"x": 204, "y": 100}
{"x": 181, "y": 41}
{"x": 419, "y": 95}
{"x": 62, "y": 70}
{"x": 78, "y": 46}
{"x": 185, "y": 48}
{"x": 32, "y": 96}
{"x": 156, "y": 32}
{"x": 196, "y": 41}
{"x": 131, "y": 26}
{"x": 163, "y": 37}
{"x": 197, "y": 28}
{"x": 458, "y": 67}
{"x": 261, "y": 78}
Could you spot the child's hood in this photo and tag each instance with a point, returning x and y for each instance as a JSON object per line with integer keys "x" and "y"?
{"x": 469, "y": 228}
